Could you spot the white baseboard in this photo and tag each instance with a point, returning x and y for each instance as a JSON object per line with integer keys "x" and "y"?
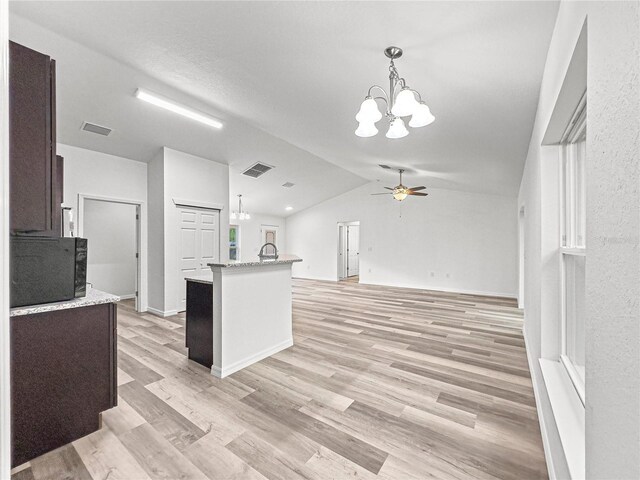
{"x": 541, "y": 418}
{"x": 127, "y": 297}
{"x": 162, "y": 313}
{"x": 245, "y": 362}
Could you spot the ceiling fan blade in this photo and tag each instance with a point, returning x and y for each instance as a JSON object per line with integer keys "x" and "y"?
{"x": 415, "y": 189}
{"x": 388, "y": 188}
{"x": 384, "y": 193}
{"x": 417, "y": 194}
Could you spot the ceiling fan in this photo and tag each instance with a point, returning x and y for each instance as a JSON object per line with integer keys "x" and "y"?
{"x": 400, "y": 192}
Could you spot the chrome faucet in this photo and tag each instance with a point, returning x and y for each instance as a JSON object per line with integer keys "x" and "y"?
{"x": 264, "y": 256}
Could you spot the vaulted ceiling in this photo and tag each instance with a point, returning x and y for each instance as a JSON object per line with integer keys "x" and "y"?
{"x": 287, "y": 79}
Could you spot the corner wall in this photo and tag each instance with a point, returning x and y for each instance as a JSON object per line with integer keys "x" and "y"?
{"x": 612, "y": 414}
{"x": 450, "y": 240}
{"x": 175, "y": 175}
{"x": 88, "y": 172}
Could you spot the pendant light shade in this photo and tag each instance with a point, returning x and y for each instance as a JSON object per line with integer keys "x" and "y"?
{"x": 422, "y": 116}
{"x": 397, "y": 129}
{"x": 366, "y": 130}
{"x": 369, "y": 112}
{"x": 405, "y": 103}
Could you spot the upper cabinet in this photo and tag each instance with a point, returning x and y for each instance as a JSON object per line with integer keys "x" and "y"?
{"x": 34, "y": 197}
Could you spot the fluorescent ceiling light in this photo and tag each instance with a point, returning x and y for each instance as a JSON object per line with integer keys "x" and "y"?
{"x": 289, "y": 208}
{"x": 174, "y": 107}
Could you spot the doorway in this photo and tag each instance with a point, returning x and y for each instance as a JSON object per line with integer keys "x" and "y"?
{"x": 198, "y": 245}
{"x": 270, "y": 234}
{"x": 349, "y": 251}
{"x": 521, "y": 257}
{"x": 112, "y": 230}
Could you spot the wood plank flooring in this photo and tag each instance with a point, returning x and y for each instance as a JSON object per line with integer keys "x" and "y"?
{"x": 381, "y": 382}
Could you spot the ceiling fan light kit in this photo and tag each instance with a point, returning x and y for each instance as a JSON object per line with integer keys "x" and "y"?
{"x": 400, "y": 102}
{"x": 400, "y": 192}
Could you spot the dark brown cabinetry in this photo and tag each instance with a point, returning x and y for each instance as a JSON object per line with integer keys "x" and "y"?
{"x": 32, "y": 142}
{"x": 63, "y": 374}
{"x": 199, "y": 322}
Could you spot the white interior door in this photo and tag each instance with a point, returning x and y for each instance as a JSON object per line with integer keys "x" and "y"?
{"x": 353, "y": 250}
{"x": 270, "y": 235}
{"x": 342, "y": 251}
{"x": 198, "y": 245}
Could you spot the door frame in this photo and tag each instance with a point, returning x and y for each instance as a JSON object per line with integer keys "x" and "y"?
{"x": 267, "y": 226}
{"x": 341, "y": 233}
{"x": 140, "y": 245}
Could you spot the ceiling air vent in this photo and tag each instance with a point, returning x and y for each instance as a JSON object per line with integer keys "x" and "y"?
{"x": 257, "y": 170}
{"x": 288, "y": 185}
{"x": 93, "y": 128}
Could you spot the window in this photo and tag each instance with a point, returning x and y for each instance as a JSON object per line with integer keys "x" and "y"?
{"x": 234, "y": 244}
{"x": 573, "y": 249}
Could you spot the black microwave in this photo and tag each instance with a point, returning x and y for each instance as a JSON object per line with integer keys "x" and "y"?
{"x": 47, "y": 269}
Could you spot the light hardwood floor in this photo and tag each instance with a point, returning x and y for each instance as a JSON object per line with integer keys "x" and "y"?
{"x": 382, "y": 382}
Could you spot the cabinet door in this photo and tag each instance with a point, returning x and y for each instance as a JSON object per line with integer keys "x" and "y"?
{"x": 31, "y": 148}
{"x": 63, "y": 374}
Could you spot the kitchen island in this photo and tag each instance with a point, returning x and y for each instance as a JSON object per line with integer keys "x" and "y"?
{"x": 240, "y": 313}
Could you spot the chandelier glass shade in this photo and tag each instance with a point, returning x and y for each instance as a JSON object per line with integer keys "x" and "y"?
{"x": 240, "y": 214}
{"x": 400, "y": 101}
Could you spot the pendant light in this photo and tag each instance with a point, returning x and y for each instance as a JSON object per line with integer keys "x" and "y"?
{"x": 240, "y": 214}
{"x": 401, "y": 101}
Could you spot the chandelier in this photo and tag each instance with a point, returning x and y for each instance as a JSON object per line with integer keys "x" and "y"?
{"x": 400, "y": 102}
{"x": 240, "y": 214}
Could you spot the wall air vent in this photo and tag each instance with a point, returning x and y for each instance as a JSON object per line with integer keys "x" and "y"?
{"x": 257, "y": 170}
{"x": 93, "y": 128}
{"x": 288, "y": 185}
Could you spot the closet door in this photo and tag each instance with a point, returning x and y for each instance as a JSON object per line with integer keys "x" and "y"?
{"x": 198, "y": 245}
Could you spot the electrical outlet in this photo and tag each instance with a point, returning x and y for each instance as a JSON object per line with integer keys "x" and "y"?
{"x": 433, "y": 274}
{"x": 448, "y": 275}
{"x": 369, "y": 270}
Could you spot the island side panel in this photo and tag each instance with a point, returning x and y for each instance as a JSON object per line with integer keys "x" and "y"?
{"x": 256, "y": 317}
{"x": 199, "y": 322}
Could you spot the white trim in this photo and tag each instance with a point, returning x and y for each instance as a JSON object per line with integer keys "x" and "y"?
{"x": 542, "y": 421}
{"x": 141, "y": 246}
{"x": 127, "y": 297}
{"x": 245, "y": 362}
{"x": 179, "y": 202}
{"x": 5, "y": 365}
{"x": 579, "y": 251}
{"x": 576, "y": 379}
{"x": 568, "y": 413}
{"x": 162, "y": 313}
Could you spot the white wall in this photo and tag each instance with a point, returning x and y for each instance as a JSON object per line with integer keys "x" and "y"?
{"x": 612, "y": 414}
{"x": 468, "y": 240}
{"x": 91, "y": 173}
{"x": 179, "y": 177}
{"x": 251, "y": 238}
{"x": 111, "y": 232}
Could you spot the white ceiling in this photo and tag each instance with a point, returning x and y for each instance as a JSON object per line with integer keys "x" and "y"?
{"x": 287, "y": 79}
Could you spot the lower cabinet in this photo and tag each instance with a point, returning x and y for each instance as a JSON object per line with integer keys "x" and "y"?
{"x": 63, "y": 374}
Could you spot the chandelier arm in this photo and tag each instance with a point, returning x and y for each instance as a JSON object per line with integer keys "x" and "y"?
{"x": 386, "y": 98}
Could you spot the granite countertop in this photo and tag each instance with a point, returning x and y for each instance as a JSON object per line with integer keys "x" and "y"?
{"x": 282, "y": 259}
{"x": 93, "y": 297}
